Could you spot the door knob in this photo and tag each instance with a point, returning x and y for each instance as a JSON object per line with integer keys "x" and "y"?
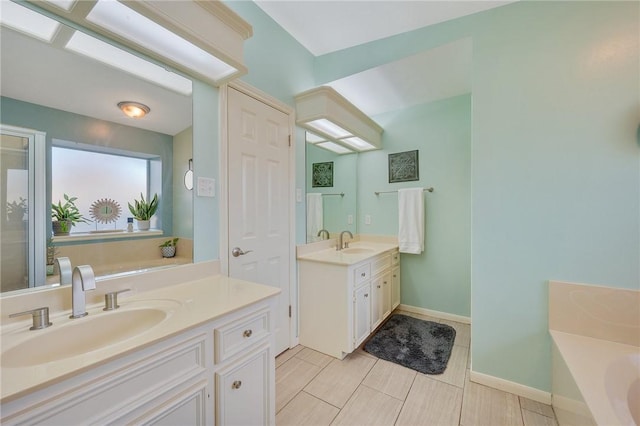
{"x": 237, "y": 251}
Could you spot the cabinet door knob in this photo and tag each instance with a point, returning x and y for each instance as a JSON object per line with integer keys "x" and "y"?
{"x": 378, "y": 286}
{"x": 385, "y": 283}
{"x": 247, "y": 333}
{"x": 394, "y": 275}
{"x": 236, "y": 384}
{"x": 363, "y": 274}
{"x": 366, "y": 295}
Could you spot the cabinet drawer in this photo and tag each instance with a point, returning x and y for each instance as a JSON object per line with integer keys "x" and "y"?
{"x": 362, "y": 273}
{"x": 395, "y": 258}
{"x": 380, "y": 263}
{"x": 238, "y": 335}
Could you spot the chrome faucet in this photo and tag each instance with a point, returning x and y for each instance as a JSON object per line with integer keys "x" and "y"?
{"x": 64, "y": 268}
{"x": 82, "y": 280}
{"x": 323, "y": 231}
{"x": 342, "y": 245}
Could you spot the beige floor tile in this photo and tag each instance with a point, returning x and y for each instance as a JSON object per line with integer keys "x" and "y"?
{"x": 482, "y": 405}
{"x": 287, "y": 355}
{"x": 536, "y": 407}
{"x": 463, "y": 332}
{"x": 536, "y": 419}
{"x": 369, "y": 407}
{"x": 291, "y": 377}
{"x": 456, "y": 367}
{"x": 431, "y": 403}
{"x": 305, "y": 409}
{"x": 337, "y": 381}
{"x": 391, "y": 379}
{"x": 314, "y": 357}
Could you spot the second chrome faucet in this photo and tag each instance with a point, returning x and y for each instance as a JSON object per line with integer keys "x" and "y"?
{"x": 344, "y": 244}
{"x": 83, "y": 279}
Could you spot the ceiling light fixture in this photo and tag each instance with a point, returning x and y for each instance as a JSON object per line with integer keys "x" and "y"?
{"x": 134, "y": 109}
{"x": 331, "y": 116}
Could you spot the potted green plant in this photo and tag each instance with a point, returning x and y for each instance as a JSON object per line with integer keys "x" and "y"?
{"x": 142, "y": 211}
{"x": 16, "y": 210}
{"x": 168, "y": 248}
{"x": 65, "y": 216}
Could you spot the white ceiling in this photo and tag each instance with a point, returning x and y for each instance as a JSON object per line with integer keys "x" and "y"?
{"x": 40, "y": 73}
{"x": 327, "y": 26}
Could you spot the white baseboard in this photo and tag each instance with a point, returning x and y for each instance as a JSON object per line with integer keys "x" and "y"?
{"x": 436, "y": 314}
{"x": 511, "y": 387}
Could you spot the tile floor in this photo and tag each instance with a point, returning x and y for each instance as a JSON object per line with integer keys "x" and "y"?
{"x": 316, "y": 389}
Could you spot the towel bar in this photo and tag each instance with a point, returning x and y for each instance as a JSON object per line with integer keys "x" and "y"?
{"x": 430, "y": 189}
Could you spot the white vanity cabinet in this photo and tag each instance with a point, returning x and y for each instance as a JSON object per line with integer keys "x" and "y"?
{"x": 221, "y": 372}
{"x": 341, "y": 304}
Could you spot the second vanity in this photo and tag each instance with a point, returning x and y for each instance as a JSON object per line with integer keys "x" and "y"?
{"x": 194, "y": 352}
{"x": 346, "y": 294}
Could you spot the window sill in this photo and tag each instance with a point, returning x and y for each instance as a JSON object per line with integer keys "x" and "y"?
{"x": 88, "y": 236}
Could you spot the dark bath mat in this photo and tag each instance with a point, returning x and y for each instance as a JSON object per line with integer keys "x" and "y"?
{"x": 424, "y": 346}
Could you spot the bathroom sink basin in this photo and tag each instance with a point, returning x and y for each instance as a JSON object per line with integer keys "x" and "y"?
{"x": 82, "y": 335}
{"x": 358, "y": 250}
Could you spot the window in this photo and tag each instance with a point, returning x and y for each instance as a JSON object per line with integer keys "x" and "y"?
{"x": 90, "y": 175}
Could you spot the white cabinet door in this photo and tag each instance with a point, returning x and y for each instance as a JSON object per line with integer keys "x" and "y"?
{"x": 362, "y": 313}
{"x": 395, "y": 287}
{"x": 242, "y": 390}
{"x": 377, "y": 300}
{"x": 385, "y": 302}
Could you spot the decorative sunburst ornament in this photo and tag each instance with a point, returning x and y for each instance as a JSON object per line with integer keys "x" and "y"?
{"x": 105, "y": 210}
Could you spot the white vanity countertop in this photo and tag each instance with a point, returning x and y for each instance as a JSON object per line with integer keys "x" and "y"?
{"x": 340, "y": 257}
{"x": 190, "y": 304}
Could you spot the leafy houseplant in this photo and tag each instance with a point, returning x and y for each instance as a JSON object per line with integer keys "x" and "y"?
{"x": 168, "y": 248}
{"x": 142, "y": 210}
{"x": 65, "y": 215}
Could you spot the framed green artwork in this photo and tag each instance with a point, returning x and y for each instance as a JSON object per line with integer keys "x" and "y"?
{"x": 322, "y": 175}
{"x": 403, "y": 166}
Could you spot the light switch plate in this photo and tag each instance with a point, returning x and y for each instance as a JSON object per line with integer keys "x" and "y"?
{"x": 350, "y": 219}
{"x": 206, "y": 187}
{"x": 367, "y": 219}
{"x": 299, "y": 195}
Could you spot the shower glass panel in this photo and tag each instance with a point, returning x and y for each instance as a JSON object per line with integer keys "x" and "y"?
{"x": 22, "y": 262}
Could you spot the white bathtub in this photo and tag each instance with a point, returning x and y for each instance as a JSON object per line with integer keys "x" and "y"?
{"x": 622, "y": 384}
{"x": 606, "y": 376}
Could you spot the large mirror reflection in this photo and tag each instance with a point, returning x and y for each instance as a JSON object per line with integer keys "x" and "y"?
{"x": 331, "y": 180}
{"x": 65, "y": 140}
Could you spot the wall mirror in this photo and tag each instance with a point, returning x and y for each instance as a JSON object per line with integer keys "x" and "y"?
{"x": 60, "y": 106}
{"x": 337, "y": 197}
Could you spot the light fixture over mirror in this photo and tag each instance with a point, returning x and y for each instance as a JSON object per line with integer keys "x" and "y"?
{"x": 336, "y": 123}
{"x": 134, "y": 109}
{"x": 209, "y": 48}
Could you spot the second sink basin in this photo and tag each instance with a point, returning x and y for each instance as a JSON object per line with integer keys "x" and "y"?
{"x": 357, "y": 250}
{"x": 82, "y": 335}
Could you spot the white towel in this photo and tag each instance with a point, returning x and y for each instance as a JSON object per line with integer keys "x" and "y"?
{"x": 411, "y": 220}
{"x": 314, "y": 216}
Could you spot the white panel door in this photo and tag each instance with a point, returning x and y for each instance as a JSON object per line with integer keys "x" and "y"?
{"x": 259, "y": 205}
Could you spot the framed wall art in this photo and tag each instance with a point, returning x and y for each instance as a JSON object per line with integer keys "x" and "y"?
{"x": 322, "y": 175}
{"x": 403, "y": 166}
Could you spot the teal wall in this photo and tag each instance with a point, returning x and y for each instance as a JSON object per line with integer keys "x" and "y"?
{"x": 335, "y": 208}
{"x": 206, "y": 163}
{"x": 182, "y": 197}
{"x": 440, "y": 278}
{"x": 555, "y": 188}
